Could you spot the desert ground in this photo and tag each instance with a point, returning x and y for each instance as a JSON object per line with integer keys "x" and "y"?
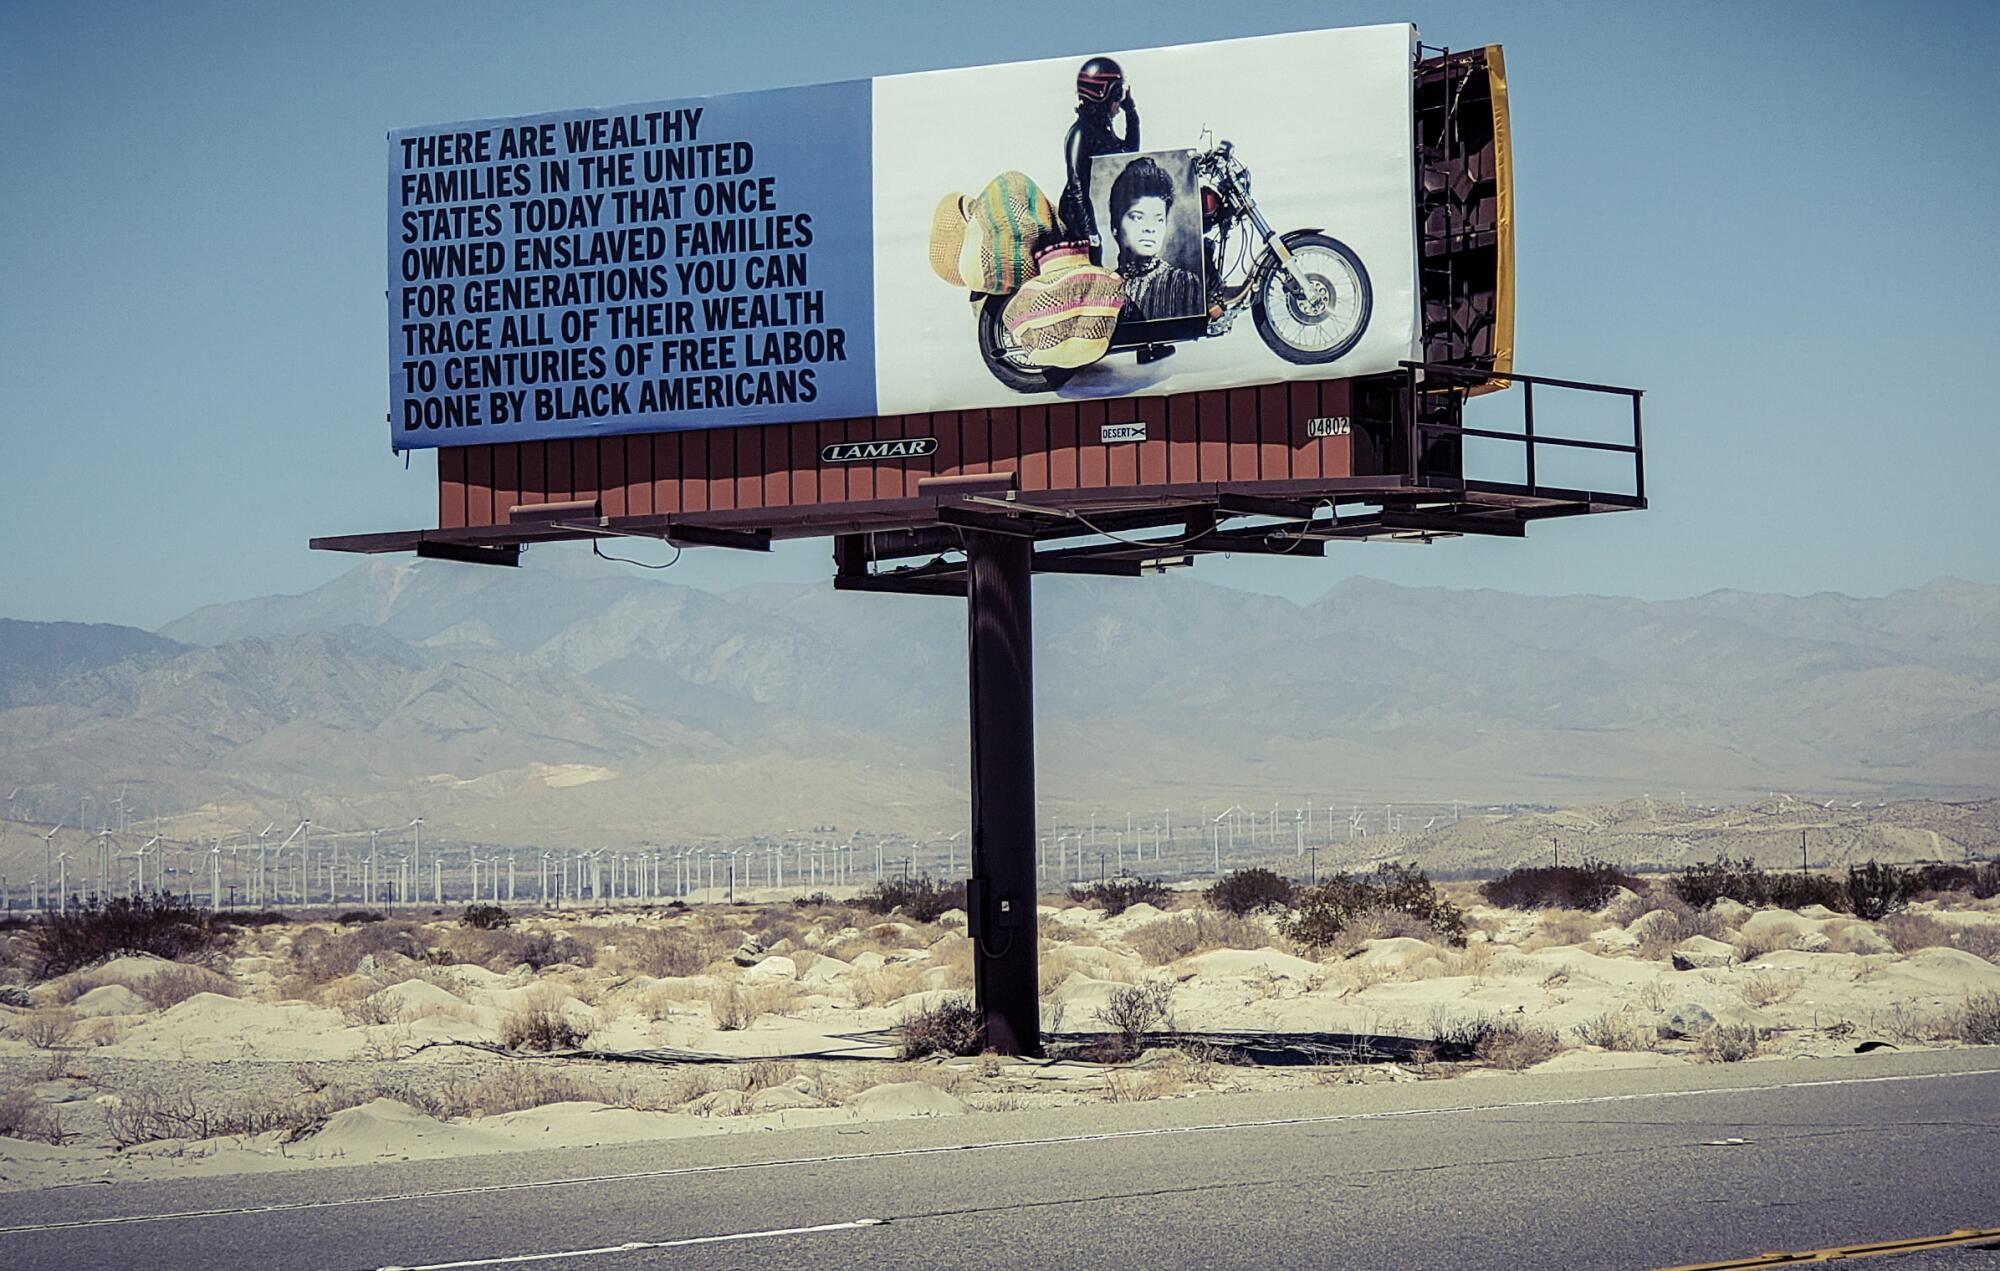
{"x": 313, "y": 1042}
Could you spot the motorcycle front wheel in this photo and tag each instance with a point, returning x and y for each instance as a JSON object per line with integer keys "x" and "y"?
{"x": 1323, "y": 321}
{"x": 1003, "y": 356}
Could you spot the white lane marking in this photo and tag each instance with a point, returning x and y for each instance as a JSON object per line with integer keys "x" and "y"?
{"x": 632, "y": 1246}
{"x": 1102, "y": 1136}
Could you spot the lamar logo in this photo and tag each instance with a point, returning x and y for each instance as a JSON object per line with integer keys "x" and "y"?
{"x": 1329, "y": 426}
{"x": 894, "y": 448}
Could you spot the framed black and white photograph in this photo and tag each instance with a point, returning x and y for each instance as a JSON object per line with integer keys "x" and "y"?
{"x": 1147, "y": 209}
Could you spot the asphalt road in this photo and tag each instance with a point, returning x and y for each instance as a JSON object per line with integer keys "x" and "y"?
{"x": 1643, "y": 1169}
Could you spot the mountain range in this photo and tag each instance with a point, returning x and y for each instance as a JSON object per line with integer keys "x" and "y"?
{"x": 568, "y": 703}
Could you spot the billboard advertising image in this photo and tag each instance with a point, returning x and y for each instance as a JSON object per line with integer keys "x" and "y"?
{"x": 1105, "y": 225}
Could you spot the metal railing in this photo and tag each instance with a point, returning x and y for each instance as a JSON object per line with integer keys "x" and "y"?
{"x": 1423, "y": 378}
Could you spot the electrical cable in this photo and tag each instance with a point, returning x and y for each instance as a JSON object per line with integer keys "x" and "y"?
{"x": 598, "y": 552}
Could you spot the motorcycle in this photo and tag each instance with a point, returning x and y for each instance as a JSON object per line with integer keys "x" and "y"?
{"x": 1307, "y": 292}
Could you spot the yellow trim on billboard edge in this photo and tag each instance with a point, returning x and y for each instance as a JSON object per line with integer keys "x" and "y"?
{"x": 1503, "y": 197}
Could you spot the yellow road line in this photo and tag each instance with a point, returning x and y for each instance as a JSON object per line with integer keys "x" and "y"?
{"x": 1874, "y": 1249}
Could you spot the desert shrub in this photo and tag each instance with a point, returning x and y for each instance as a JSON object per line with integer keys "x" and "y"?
{"x": 485, "y": 917}
{"x": 1982, "y": 880}
{"x": 147, "y": 1116}
{"x": 22, "y": 1116}
{"x": 1176, "y": 936}
{"x": 1768, "y": 988}
{"x": 1980, "y": 942}
{"x": 1796, "y": 891}
{"x": 1704, "y": 883}
{"x": 1613, "y": 1030}
{"x": 1135, "y": 1010}
{"x": 541, "y": 1024}
{"x": 1249, "y": 891}
{"x": 888, "y": 984}
{"x": 1115, "y": 895}
{"x": 951, "y": 1027}
{"x": 1910, "y": 932}
{"x": 322, "y": 956}
{"x": 174, "y": 985}
{"x": 160, "y": 924}
{"x": 673, "y": 951}
{"x": 1323, "y": 911}
{"x": 735, "y": 1006}
{"x": 46, "y": 1029}
{"x": 1979, "y": 1023}
{"x": 1562, "y": 927}
{"x": 1586, "y": 886}
{"x": 258, "y": 918}
{"x": 1729, "y": 1043}
{"x": 360, "y": 917}
{"x": 918, "y": 899}
{"x": 1687, "y": 921}
{"x": 1514, "y": 1045}
{"x": 1875, "y": 890}
{"x": 814, "y": 900}
{"x": 542, "y": 950}
{"x": 772, "y": 925}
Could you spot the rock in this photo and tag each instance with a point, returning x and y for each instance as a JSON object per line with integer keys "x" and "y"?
{"x": 1701, "y": 953}
{"x": 869, "y": 961}
{"x": 1141, "y": 912}
{"x": 1685, "y": 1019}
{"x": 1811, "y": 942}
{"x": 10, "y": 995}
{"x": 777, "y": 967}
{"x": 749, "y": 953}
{"x": 783, "y": 946}
{"x": 1731, "y": 912}
{"x": 1654, "y": 924}
{"x": 1817, "y": 911}
{"x": 951, "y": 918}
{"x": 111, "y": 999}
{"x": 1615, "y": 938}
{"x": 825, "y": 970}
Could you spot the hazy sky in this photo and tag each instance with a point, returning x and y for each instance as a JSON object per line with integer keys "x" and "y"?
{"x": 1777, "y": 219}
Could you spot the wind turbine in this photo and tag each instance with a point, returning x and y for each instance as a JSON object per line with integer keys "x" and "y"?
{"x": 48, "y": 862}
{"x": 262, "y": 835}
{"x": 141, "y": 855}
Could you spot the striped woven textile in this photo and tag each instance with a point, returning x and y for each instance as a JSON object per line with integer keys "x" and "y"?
{"x": 1063, "y": 316}
{"x": 987, "y": 243}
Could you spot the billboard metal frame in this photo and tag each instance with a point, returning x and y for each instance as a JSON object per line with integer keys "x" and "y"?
{"x": 1279, "y": 470}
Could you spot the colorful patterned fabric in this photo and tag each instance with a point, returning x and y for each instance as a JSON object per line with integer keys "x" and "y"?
{"x": 949, "y": 226}
{"x": 1064, "y": 315}
{"x": 987, "y": 243}
{"x": 1013, "y": 218}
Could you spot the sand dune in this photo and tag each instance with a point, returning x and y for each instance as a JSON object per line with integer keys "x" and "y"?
{"x": 310, "y": 1044}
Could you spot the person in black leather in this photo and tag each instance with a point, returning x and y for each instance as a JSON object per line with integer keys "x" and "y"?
{"x": 1101, "y": 94}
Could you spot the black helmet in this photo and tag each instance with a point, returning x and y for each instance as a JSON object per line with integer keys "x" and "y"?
{"x": 1101, "y": 82}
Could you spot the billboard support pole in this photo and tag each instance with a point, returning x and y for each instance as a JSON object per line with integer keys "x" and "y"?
{"x": 1000, "y": 896}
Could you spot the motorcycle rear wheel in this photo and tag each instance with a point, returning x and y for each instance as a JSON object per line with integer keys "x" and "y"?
{"x": 1321, "y": 327}
{"x": 1003, "y": 358}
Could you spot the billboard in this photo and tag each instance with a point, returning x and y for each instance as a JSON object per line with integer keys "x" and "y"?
{"x": 1146, "y": 223}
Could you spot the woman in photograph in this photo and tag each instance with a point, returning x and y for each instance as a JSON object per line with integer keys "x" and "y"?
{"x": 1142, "y": 202}
{"x": 1101, "y": 93}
